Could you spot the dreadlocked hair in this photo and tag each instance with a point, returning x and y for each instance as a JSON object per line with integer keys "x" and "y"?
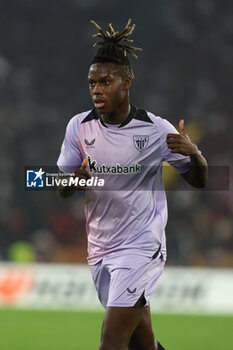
{"x": 113, "y": 46}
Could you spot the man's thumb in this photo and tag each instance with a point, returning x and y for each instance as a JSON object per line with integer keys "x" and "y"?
{"x": 84, "y": 164}
{"x": 181, "y": 127}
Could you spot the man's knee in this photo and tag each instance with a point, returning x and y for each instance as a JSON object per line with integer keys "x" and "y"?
{"x": 118, "y": 326}
{"x": 143, "y": 338}
{"x": 109, "y": 341}
{"x": 105, "y": 346}
{"x": 151, "y": 346}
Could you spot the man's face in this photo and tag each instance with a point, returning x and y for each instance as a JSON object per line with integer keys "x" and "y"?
{"x": 107, "y": 87}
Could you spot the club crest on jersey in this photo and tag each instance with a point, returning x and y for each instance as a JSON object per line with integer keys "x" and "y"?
{"x": 140, "y": 142}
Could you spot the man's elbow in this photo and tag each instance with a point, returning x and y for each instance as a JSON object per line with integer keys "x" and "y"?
{"x": 197, "y": 180}
{"x": 201, "y": 182}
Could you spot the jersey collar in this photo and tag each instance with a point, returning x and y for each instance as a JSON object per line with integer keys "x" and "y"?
{"x": 125, "y": 122}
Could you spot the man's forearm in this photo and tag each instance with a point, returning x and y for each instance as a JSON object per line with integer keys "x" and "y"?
{"x": 65, "y": 191}
{"x": 197, "y": 175}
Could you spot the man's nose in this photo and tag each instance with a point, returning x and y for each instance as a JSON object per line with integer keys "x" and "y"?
{"x": 97, "y": 89}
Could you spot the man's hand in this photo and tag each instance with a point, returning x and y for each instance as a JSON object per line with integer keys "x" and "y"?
{"x": 181, "y": 143}
{"x": 81, "y": 173}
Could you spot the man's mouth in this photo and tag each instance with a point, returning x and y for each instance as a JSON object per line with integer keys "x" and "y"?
{"x": 99, "y": 104}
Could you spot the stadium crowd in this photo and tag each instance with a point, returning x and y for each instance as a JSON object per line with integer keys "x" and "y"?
{"x": 185, "y": 70}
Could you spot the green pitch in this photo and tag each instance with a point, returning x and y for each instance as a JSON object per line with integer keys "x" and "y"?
{"x": 48, "y": 330}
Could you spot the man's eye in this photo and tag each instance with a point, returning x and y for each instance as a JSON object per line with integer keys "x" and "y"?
{"x": 91, "y": 83}
{"x": 105, "y": 82}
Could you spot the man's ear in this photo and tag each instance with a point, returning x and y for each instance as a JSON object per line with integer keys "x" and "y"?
{"x": 127, "y": 83}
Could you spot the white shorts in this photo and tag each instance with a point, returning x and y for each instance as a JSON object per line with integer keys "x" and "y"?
{"x": 124, "y": 280}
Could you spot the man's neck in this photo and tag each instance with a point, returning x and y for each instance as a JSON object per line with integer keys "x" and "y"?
{"x": 118, "y": 116}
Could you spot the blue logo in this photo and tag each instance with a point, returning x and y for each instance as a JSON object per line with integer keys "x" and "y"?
{"x": 35, "y": 178}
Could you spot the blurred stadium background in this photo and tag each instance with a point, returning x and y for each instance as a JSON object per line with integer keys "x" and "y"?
{"x": 185, "y": 71}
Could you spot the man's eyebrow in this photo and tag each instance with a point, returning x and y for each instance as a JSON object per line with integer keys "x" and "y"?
{"x": 102, "y": 78}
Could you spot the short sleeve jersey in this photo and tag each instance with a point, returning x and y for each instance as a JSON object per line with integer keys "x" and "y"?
{"x": 131, "y": 214}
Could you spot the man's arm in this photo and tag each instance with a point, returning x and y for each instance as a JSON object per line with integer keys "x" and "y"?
{"x": 65, "y": 191}
{"x": 81, "y": 173}
{"x": 197, "y": 175}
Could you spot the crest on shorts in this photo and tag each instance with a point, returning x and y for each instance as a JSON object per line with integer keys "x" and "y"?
{"x": 141, "y": 142}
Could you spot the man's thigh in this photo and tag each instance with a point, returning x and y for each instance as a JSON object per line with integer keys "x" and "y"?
{"x": 118, "y": 326}
{"x": 143, "y": 336}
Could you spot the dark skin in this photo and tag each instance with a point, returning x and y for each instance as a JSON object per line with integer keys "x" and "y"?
{"x": 109, "y": 88}
{"x": 107, "y": 83}
{"x": 180, "y": 143}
